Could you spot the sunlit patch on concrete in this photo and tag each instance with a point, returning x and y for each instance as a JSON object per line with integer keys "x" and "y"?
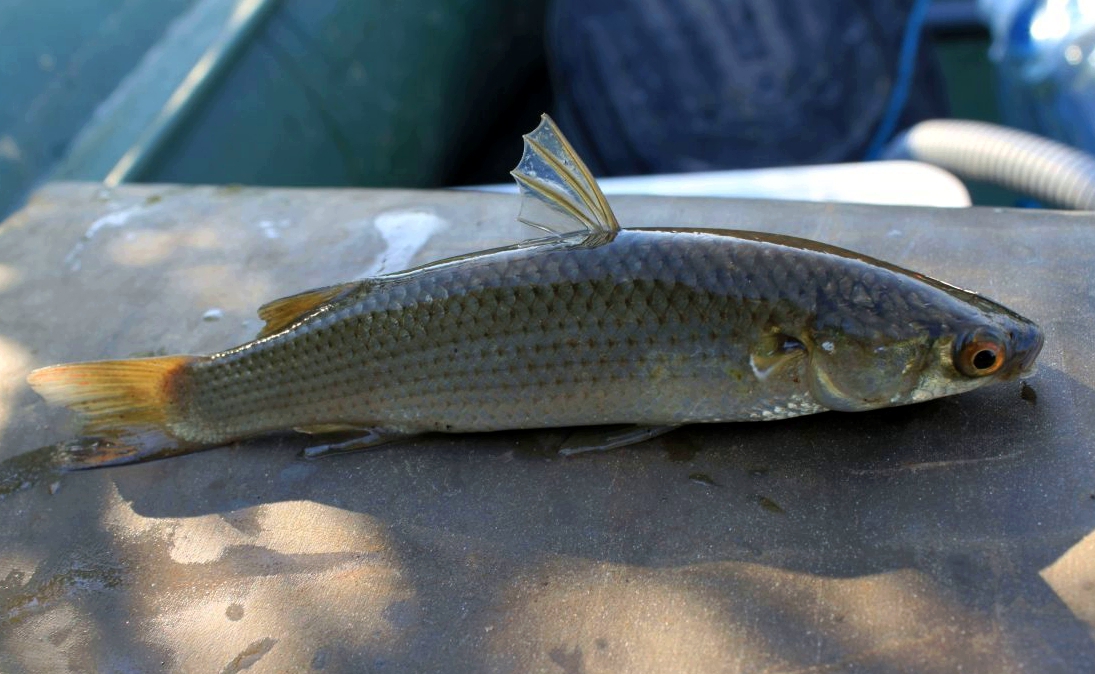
{"x": 149, "y": 247}
{"x": 288, "y": 528}
{"x": 285, "y": 527}
{"x": 220, "y": 285}
{"x": 224, "y": 583}
{"x": 15, "y": 362}
{"x": 620, "y": 618}
{"x": 614, "y": 618}
{"x": 1072, "y": 577}
{"x": 63, "y": 638}
{"x": 8, "y": 277}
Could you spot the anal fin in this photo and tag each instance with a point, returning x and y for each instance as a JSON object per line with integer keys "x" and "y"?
{"x": 322, "y": 429}
{"x": 602, "y": 438}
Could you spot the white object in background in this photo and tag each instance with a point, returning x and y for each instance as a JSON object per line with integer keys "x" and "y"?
{"x": 891, "y": 183}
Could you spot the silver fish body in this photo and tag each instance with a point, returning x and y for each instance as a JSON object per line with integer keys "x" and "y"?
{"x": 656, "y": 327}
{"x": 595, "y": 325}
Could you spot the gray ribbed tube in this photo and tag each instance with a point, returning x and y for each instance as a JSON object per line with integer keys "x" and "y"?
{"x": 1049, "y": 171}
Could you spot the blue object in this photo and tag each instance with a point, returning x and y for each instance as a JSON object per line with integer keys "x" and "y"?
{"x": 1044, "y": 51}
{"x": 906, "y": 68}
{"x": 669, "y": 86}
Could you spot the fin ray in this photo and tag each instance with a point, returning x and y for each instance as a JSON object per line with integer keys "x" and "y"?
{"x": 369, "y": 438}
{"x": 126, "y": 405}
{"x": 603, "y": 438}
{"x": 281, "y": 313}
{"x": 552, "y": 174}
{"x": 323, "y": 429}
{"x": 559, "y": 203}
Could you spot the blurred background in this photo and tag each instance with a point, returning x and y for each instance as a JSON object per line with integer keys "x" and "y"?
{"x": 431, "y": 93}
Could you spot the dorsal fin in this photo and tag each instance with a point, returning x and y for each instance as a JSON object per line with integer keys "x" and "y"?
{"x": 281, "y": 313}
{"x": 556, "y": 182}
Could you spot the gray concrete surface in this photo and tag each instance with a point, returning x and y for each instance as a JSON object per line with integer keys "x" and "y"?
{"x": 954, "y": 534}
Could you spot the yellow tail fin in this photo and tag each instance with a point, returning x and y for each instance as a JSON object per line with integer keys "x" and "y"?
{"x": 125, "y": 404}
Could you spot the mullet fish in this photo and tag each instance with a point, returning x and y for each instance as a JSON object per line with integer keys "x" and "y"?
{"x": 592, "y": 325}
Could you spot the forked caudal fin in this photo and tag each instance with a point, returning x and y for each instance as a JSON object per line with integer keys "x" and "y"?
{"x": 561, "y": 195}
{"x": 125, "y": 405}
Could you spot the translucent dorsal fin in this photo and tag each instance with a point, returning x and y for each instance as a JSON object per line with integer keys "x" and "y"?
{"x": 560, "y": 194}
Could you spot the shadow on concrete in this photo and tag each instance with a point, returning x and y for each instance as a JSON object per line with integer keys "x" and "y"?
{"x": 975, "y": 494}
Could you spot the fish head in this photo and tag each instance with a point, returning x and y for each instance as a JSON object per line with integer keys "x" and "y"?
{"x": 942, "y": 341}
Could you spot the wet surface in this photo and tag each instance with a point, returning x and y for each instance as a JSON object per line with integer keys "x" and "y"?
{"x": 30, "y": 469}
{"x": 770, "y": 505}
{"x": 702, "y": 478}
{"x": 956, "y": 533}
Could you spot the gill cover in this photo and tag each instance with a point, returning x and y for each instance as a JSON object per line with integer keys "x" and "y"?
{"x": 850, "y": 375}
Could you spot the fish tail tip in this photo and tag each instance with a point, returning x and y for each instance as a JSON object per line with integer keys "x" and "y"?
{"x": 101, "y": 386}
{"x": 95, "y": 454}
{"x": 127, "y": 407}
{"x": 91, "y": 453}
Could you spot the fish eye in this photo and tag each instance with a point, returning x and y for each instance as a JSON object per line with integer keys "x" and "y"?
{"x": 979, "y": 356}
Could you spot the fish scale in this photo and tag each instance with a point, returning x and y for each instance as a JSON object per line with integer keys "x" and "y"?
{"x": 470, "y": 322}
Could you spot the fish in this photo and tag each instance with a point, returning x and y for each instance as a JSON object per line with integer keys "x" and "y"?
{"x": 624, "y": 333}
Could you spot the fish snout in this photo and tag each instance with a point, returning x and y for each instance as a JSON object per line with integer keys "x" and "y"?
{"x": 1025, "y": 346}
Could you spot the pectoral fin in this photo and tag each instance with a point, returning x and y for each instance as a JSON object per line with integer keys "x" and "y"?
{"x": 369, "y": 438}
{"x": 282, "y": 313}
{"x": 323, "y": 429}
{"x": 561, "y": 196}
{"x": 603, "y": 438}
{"x": 773, "y": 352}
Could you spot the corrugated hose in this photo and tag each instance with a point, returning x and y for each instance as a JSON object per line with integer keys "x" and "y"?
{"x": 1051, "y": 172}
